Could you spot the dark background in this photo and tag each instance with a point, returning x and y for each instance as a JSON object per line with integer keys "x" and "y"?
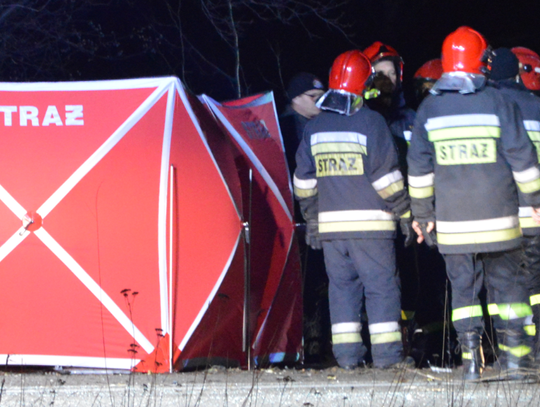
{"x": 59, "y": 40}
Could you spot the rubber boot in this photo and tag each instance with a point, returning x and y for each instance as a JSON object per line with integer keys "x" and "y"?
{"x": 472, "y": 355}
{"x": 516, "y": 358}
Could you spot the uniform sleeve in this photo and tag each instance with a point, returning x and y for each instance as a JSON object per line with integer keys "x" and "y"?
{"x": 383, "y": 169}
{"x": 421, "y": 173}
{"x": 305, "y": 179}
{"x": 519, "y": 152}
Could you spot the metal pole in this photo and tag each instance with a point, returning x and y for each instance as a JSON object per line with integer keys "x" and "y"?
{"x": 246, "y": 345}
{"x": 171, "y": 255}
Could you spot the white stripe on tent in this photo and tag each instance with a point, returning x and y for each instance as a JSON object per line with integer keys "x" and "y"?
{"x": 210, "y": 297}
{"x": 162, "y": 211}
{"x": 249, "y": 152}
{"x": 13, "y": 242}
{"x": 20, "y": 234}
{"x": 120, "y": 84}
{"x": 78, "y": 361}
{"x": 94, "y": 288}
{"x": 95, "y": 158}
{"x": 11, "y": 203}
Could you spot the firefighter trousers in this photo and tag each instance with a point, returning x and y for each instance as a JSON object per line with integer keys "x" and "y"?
{"x": 361, "y": 269}
{"x": 506, "y": 283}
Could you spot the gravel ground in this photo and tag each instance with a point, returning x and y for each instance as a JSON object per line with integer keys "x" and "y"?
{"x": 271, "y": 387}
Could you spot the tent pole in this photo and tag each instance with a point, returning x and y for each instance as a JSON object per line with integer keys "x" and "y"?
{"x": 247, "y": 278}
{"x": 171, "y": 255}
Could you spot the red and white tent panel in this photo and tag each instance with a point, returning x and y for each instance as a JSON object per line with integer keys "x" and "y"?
{"x": 108, "y": 191}
{"x": 275, "y": 264}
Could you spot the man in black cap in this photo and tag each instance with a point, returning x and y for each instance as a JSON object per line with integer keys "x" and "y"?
{"x": 505, "y": 76}
{"x": 303, "y": 92}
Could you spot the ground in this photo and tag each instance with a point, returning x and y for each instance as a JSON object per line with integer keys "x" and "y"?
{"x": 270, "y": 387}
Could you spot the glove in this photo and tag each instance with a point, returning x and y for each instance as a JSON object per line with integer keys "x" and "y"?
{"x": 312, "y": 234}
{"x": 405, "y": 225}
{"x": 431, "y": 237}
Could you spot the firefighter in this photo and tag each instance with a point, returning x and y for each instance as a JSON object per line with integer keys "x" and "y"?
{"x": 388, "y": 66}
{"x": 529, "y": 68}
{"x": 390, "y": 102}
{"x": 468, "y": 152}
{"x": 505, "y": 75}
{"x": 351, "y": 192}
{"x": 425, "y": 77}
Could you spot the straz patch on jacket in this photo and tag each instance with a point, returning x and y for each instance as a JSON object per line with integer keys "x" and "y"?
{"x": 337, "y": 164}
{"x": 338, "y": 153}
{"x": 459, "y": 152}
{"x": 464, "y": 139}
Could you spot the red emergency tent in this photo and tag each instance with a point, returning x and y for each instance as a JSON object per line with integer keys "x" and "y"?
{"x": 122, "y": 241}
{"x": 107, "y": 187}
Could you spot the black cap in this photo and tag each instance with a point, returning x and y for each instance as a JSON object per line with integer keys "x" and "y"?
{"x": 504, "y": 64}
{"x": 301, "y": 83}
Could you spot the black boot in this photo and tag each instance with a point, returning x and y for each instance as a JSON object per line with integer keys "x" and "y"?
{"x": 472, "y": 355}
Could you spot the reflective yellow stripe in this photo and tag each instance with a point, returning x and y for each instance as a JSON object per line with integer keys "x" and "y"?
{"x": 518, "y": 351}
{"x": 528, "y": 187}
{"x": 420, "y": 193}
{"x": 406, "y": 215}
{"x": 391, "y": 189}
{"x": 527, "y": 223}
{"x": 357, "y": 226}
{"x": 453, "y": 133}
{"x": 320, "y": 148}
{"x": 407, "y": 315}
{"x": 493, "y": 309}
{"x": 534, "y": 135}
{"x": 305, "y": 193}
{"x": 467, "y": 312}
{"x": 534, "y": 299}
{"x": 352, "y": 337}
{"x": 466, "y": 355}
{"x": 385, "y": 337}
{"x": 478, "y": 237}
{"x": 513, "y": 311}
{"x": 530, "y": 330}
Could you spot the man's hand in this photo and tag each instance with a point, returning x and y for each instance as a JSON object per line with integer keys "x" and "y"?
{"x": 429, "y": 228}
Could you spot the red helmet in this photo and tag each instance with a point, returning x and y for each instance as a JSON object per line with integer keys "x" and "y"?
{"x": 350, "y": 72}
{"x": 378, "y": 51}
{"x": 464, "y": 50}
{"x": 431, "y": 70}
{"x": 529, "y": 67}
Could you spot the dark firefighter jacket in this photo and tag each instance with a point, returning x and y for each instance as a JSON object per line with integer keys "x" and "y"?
{"x": 467, "y": 154}
{"x": 349, "y": 163}
{"x": 529, "y": 105}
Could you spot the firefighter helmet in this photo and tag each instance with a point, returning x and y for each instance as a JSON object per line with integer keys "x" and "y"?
{"x": 351, "y": 73}
{"x": 431, "y": 70}
{"x": 529, "y": 67}
{"x": 465, "y": 50}
{"x": 381, "y": 52}
{"x": 425, "y": 77}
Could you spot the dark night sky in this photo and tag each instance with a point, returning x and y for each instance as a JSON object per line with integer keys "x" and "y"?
{"x": 58, "y": 40}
